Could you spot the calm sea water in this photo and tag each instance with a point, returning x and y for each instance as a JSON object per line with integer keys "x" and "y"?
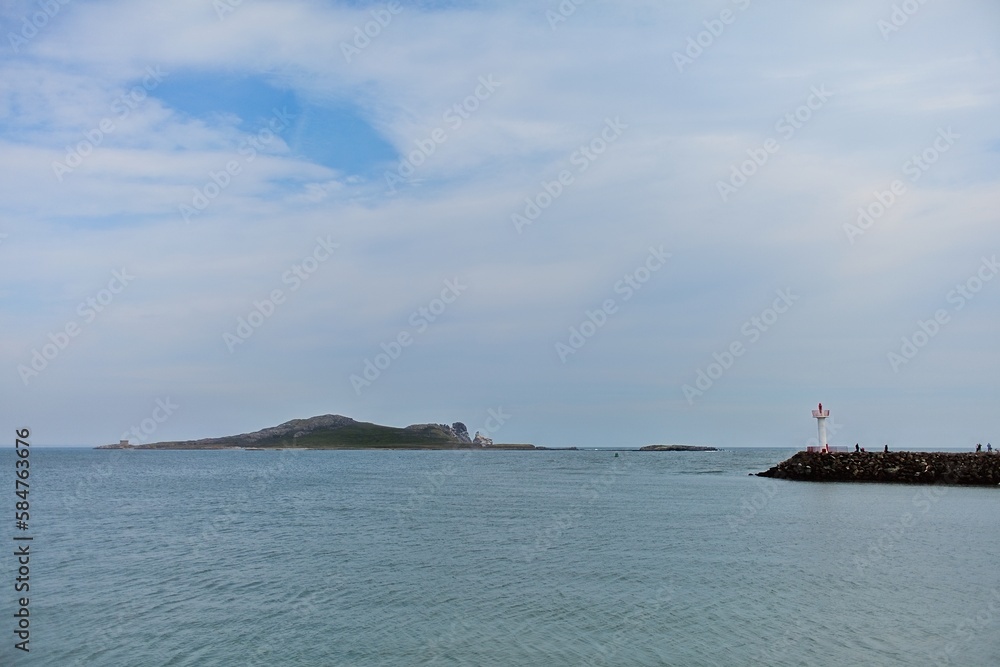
{"x": 494, "y": 558}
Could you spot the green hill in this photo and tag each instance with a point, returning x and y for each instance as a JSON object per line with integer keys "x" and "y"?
{"x": 335, "y": 432}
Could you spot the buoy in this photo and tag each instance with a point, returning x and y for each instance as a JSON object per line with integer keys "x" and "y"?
{"x": 616, "y": 454}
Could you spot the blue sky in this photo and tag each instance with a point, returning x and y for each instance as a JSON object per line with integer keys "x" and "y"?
{"x": 331, "y": 133}
{"x": 492, "y": 185}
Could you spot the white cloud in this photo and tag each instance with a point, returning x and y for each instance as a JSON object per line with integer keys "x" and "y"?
{"x": 655, "y": 185}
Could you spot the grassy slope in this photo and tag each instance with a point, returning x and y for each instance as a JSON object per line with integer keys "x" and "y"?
{"x": 368, "y": 435}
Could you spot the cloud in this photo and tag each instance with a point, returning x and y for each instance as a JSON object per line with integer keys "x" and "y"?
{"x": 495, "y": 103}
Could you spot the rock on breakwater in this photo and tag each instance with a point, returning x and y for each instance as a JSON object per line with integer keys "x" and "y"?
{"x": 892, "y": 467}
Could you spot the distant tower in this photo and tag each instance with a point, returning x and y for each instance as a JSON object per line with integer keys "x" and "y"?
{"x": 820, "y": 414}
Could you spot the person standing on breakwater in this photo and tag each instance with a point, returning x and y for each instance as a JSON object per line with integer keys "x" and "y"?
{"x": 857, "y": 448}
{"x": 979, "y": 447}
{"x": 989, "y": 448}
{"x": 886, "y": 450}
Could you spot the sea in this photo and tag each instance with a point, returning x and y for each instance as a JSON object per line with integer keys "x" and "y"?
{"x": 548, "y": 558}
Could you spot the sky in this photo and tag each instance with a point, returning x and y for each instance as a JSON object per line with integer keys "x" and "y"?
{"x": 581, "y": 224}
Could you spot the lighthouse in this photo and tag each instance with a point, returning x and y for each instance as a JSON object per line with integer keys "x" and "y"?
{"x": 820, "y": 414}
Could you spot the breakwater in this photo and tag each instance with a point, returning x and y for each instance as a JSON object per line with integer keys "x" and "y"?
{"x": 892, "y": 467}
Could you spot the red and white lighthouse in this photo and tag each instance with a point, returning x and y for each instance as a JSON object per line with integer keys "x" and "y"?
{"x": 820, "y": 414}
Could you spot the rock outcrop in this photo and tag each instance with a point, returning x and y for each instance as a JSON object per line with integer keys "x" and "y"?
{"x": 297, "y": 428}
{"x": 893, "y": 467}
{"x": 482, "y": 440}
{"x": 461, "y": 432}
{"x": 676, "y": 448}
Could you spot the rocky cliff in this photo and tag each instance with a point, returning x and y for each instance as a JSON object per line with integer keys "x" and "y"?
{"x": 461, "y": 432}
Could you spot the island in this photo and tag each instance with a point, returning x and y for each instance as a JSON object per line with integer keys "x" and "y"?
{"x": 676, "y": 448}
{"x": 969, "y": 469}
{"x": 339, "y": 432}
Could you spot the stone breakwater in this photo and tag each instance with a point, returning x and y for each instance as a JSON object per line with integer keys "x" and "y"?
{"x": 893, "y": 467}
